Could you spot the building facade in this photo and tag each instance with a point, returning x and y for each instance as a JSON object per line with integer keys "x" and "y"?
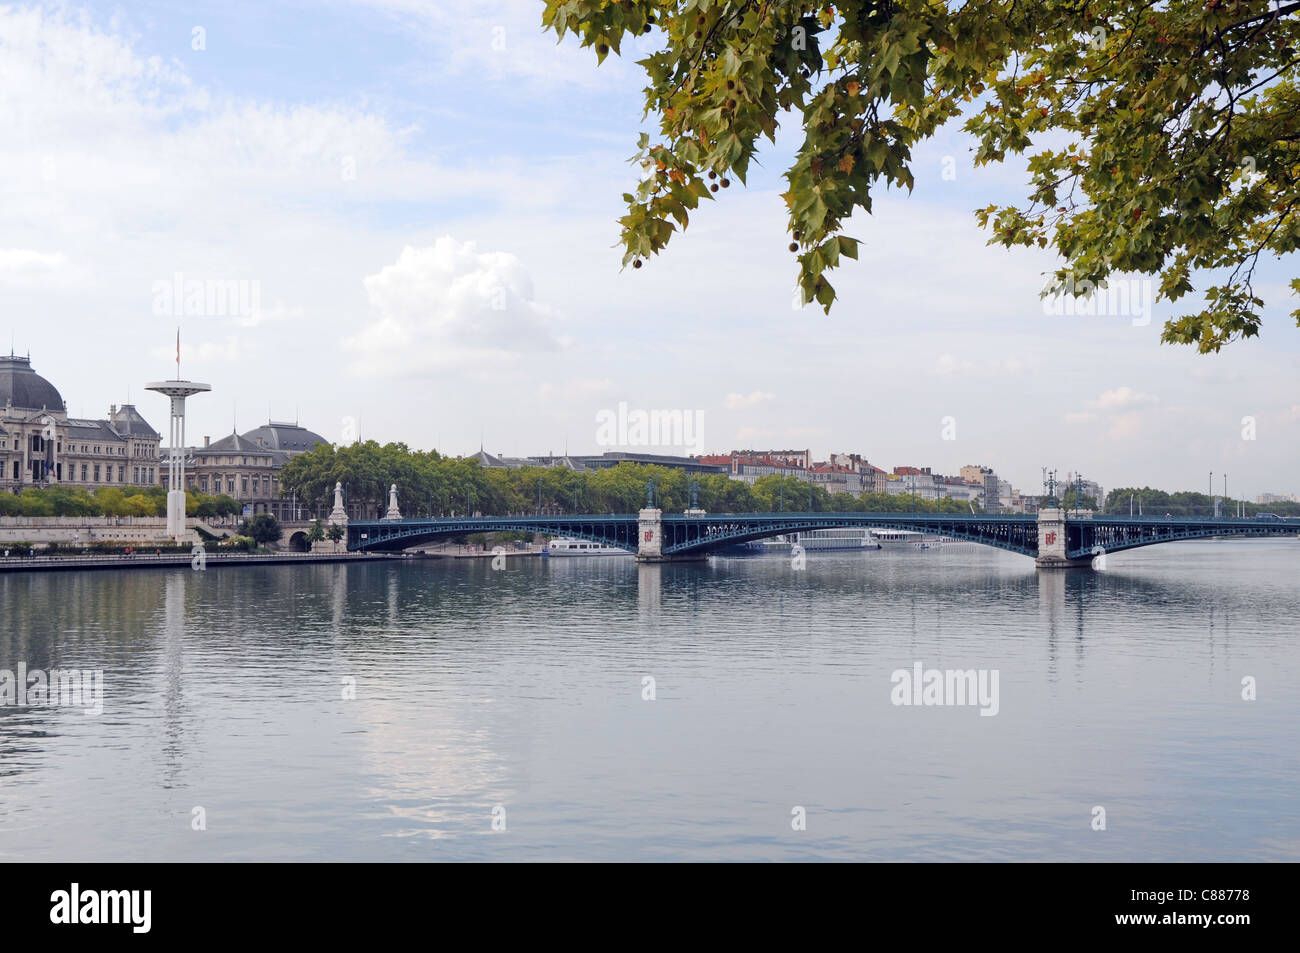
{"x": 41, "y": 446}
{"x": 246, "y": 467}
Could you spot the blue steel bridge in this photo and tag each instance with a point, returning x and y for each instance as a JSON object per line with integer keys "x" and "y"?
{"x": 1050, "y": 539}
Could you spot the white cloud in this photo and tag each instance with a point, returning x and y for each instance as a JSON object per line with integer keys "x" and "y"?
{"x": 1121, "y": 398}
{"x": 749, "y": 434}
{"x": 503, "y": 40}
{"x": 277, "y": 312}
{"x": 741, "y": 401}
{"x": 23, "y": 266}
{"x": 450, "y": 303}
{"x": 947, "y": 364}
{"x": 227, "y": 350}
{"x": 1125, "y": 427}
{"x": 578, "y": 387}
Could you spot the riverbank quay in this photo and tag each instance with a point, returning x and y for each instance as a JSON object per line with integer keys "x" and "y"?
{"x": 185, "y": 560}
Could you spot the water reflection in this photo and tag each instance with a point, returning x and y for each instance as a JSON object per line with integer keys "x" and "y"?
{"x": 173, "y": 665}
{"x": 522, "y": 688}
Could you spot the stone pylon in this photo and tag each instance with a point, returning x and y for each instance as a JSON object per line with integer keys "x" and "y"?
{"x": 1051, "y": 542}
{"x": 338, "y": 516}
{"x": 393, "y": 512}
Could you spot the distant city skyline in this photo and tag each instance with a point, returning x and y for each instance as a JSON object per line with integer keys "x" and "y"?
{"x": 359, "y": 249}
{"x": 352, "y": 430}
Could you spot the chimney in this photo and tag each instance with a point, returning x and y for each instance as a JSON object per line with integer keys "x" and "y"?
{"x": 112, "y": 411}
{"x": 206, "y": 441}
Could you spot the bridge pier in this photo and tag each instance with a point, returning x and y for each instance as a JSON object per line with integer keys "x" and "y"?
{"x": 650, "y": 540}
{"x": 1051, "y": 542}
{"x": 1048, "y": 562}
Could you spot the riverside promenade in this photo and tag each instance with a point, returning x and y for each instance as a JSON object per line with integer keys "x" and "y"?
{"x": 179, "y": 561}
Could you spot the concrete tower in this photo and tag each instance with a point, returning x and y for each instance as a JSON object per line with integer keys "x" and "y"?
{"x": 177, "y": 390}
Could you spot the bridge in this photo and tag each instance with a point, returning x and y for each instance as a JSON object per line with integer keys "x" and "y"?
{"x": 1053, "y": 539}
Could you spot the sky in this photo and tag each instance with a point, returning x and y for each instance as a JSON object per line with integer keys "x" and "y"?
{"x": 415, "y": 215}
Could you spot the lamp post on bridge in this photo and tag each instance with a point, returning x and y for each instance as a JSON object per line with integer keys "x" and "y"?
{"x": 1053, "y": 552}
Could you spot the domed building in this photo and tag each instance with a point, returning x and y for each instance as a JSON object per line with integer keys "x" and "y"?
{"x": 247, "y": 467}
{"x": 23, "y": 388}
{"x": 290, "y": 439}
{"x": 41, "y": 446}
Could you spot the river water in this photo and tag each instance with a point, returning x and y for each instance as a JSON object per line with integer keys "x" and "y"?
{"x": 596, "y": 709}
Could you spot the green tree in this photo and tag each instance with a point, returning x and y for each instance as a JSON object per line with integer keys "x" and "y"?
{"x": 112, "y": 502}
{"x": 35, "y": 503}
{"x": 335, "y": 533}
{"x": 141, "y": 505}
{"x": 262, "y": 528}
{"x": 315, "y": 533}
{"x": 1087, "y": 502}
{"x": 1162, "y": 139}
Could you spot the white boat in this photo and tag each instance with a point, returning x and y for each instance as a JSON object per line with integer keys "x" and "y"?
{"x": 770, "y": 546}
{"x": 908, "y": 539}
{"x": 564, "y": 546}
{"x": 835, "y": 539}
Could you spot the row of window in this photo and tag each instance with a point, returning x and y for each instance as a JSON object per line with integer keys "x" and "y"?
{"x": 38, "y": 444}
{"x": 90, "y": 473}
{"x": 259, "y": 484}
{"x": 203, "y": 459}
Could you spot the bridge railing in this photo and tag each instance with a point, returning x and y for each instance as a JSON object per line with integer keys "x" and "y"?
{"x": 1226, "y": 520}
{"x": 852, "y": 514}
{"x": 705, "y": 517}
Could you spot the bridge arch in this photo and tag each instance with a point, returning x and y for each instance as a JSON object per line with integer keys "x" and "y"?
{"x": 1117, "y": 534}
{"x": 705, "y": 534}
{"x": 379, "y": 535}
{"x": 691, "y": 536}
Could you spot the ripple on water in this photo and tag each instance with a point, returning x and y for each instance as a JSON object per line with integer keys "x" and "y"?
{"x": 523, "y": 690}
